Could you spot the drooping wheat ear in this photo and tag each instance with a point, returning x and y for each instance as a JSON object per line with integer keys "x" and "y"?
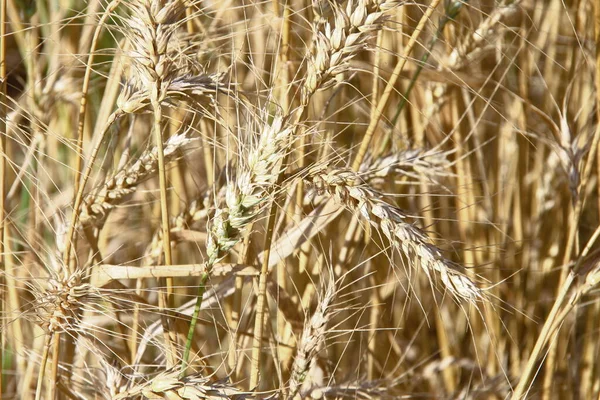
{"x": 313, "y": 336}
{"x": 336, "y": 44}
{"x": 160, "y": 72}
{"x": 478, "y": 40}
{"x": 168, "y": 385}
{"x": 102, "y": 199}
{"x": 247, "y": 193}
{"x": 392, "y": 221}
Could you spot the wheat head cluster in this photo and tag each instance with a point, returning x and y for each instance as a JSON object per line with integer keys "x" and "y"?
{"x": 299, "y": 199}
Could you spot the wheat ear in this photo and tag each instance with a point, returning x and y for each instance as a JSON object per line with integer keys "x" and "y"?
{"x": 244, "y": 199}
{"x": 313, "y": 336}
{"x": 391, "y": 220}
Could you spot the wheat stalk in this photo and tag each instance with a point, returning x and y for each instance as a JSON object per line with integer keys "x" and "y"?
{"x": 244, "y": 198}
{"x": 332, "y": 49}
{"x": 157, "y": 81}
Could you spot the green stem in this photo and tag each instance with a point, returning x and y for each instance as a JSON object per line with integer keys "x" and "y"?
{"x": 190, "y": 335}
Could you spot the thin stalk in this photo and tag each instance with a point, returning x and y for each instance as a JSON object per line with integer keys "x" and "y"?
{"x": 374, "y": 317}
{"x": 376, "y": 70}
{"x": 295, "y": 208}
{"x": 164, "y": 204}
{"x": 542, "y": 339}
{"x": 236, "y": 309}
{"x": 189, "y": 19}
{"x": 41, "y": 374}
{"x": 51, "y": 389}
{"x": 3, "y": 156}
{"x": 260, "y": 302}
{"x": 375, "y": 300}
{"x": 276, "y": 7}
{"x": 164, "y": 298}
{"x": 190, "y": 335}
{"x": 13, "y": 301}
{"x": 207, "y": 155}
{"x": 264, "y": 270}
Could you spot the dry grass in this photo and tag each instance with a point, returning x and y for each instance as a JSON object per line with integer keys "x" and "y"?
{"x": 319, "y": 199}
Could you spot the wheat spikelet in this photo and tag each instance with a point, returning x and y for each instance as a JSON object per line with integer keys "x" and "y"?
{"x": 200, "y": 89}
{"x": 405, "y": 237}
{"x": 115, "y": 381}
{"x": 58, "y": 306}
{"x": 113, "y": 191}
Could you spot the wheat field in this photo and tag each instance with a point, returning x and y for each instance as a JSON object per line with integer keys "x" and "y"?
{"x": 300, "y": 199}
